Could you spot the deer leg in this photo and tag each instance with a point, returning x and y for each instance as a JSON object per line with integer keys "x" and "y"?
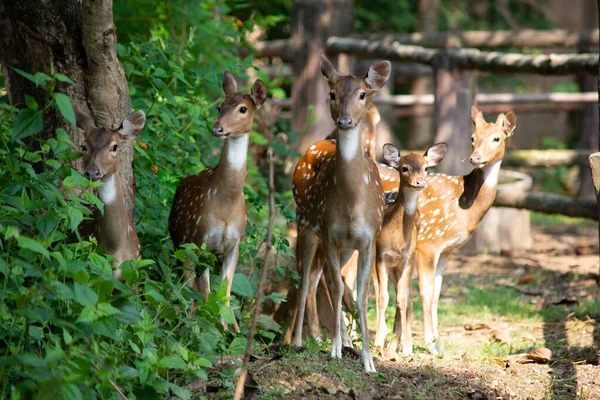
{"x": 436, "y": 297}
{"x": 332, "y": 255}
{"x": 366, "y": 259}
{"x": 312, "y": 315}
{"x": 305, "y": 252}
{"x": 349, "y": 271}
{"x": 381, "y": 277}
{"x": 402, "y": 328}
{"x": 347, "y": 258}
{"x": 230, "y": 260}
{"x": 427, "y": 264}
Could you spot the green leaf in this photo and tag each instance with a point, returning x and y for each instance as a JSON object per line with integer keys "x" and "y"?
{"x": 71, "y": 391}
{"x": 238, "y": 346}
{"x": 28, "y": 122}
{"x": 75, "y": 217}
{"x": 84, "y": 295}
{"x": 87, "y": 315}
{"x": 172, "y": 362}
{"x": 128, "y": 373}
{"x": 105, "y": 310}
{"x": 63, "y": 78}
{"x": 203, "y": 362}
{"x": 33, "y": 245}
{"x": 153, "y": 294}
{"x": 64, "y": 106}
{"x": 242, "y": 286}
{"x": 105, "y": 326}
{"x": 31, "y": 103}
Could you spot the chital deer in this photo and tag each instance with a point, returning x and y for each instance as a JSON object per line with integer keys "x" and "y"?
{"x": 368, "y": 135}
{"x": 451, "y": 207}
{"x": 114, "y": 228}
{"x": 340, "y": 199}
{"x": 397, "y": 241}
{"x": 210, "y": 207}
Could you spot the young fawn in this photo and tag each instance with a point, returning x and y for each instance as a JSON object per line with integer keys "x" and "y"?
{"x": 210, "y": 207}
{"x": 114, "y": 228}
{"x": 450, "y": 209}
{"x": 340, "y": 199}
{"x": 397, "y": 241}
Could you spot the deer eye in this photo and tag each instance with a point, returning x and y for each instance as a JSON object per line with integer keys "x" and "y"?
{"x": 219, "y": 109}
{"x": 332, "y": 95}
{"x": 404, "y": 169}
{"x": 363, "y": 95}
{"x": 243, "y": 110}
{"x": 83, "y": 148}
{"x": 472, "y": 139}
{"x": 497, "y": 139}
{"x": 114, "y": 147}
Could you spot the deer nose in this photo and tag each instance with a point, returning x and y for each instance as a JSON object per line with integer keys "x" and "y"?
{"x": 92, "y": 173}
{"x": 218, "y": 130}
{"x": 344, "y": 122}
{"x": 475, "y": 158}
{"x": 421, "y": 183}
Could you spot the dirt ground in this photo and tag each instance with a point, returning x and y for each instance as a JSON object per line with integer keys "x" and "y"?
{"x": 493, "y": 310}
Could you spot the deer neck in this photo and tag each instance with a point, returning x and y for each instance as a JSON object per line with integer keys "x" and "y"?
{"x": 407, "y": 205}
{"x": 349, "y": 156}
{"x": 231, "y": 170}
{"x": 480, "y": 188}
{"x": 114, "y": 224}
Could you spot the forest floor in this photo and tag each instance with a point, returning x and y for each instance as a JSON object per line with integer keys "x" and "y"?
{"x": 492, "y": 308}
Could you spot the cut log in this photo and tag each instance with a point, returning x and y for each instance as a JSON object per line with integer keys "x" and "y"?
{"x": 548, "y": 204}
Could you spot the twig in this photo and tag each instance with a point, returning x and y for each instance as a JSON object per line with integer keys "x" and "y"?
{"x": 114, "y": 385}
{"x": 239, "y": 388}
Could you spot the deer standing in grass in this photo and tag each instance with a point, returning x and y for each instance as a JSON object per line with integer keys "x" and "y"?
{"x": 451, "y": 208}
{"x": 210, "y": 207}
{"x": 114, "y": 228}
{"x": 340, "y": 199}
{"x": 397, "y": 241}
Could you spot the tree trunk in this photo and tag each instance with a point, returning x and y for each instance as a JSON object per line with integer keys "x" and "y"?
{"x": 79, "y": 41}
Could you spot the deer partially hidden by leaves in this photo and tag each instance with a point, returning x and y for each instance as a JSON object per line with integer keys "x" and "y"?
{"x": 340, "y": 199}
{"x": 209, "y": 207}
{"x": 397, "y": 241}
{"x": 114, "y": 228}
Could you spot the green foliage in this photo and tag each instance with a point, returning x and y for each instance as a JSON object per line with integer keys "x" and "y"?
{"x": 69, "y": 329}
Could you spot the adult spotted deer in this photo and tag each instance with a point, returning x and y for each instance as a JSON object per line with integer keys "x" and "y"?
{"x": 450, "y": 209}
{"x": 340, "y": 199}
{"x": 114, "y": 227}
{"x": 397, "y": 241}
{"x": 210, "y": 207}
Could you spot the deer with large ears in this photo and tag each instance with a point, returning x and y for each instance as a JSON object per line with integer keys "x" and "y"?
{"x": 450, "y": 209}
{"x": 397, "y": 241}
{"x": 115, "y": 229}
{"x": 210, "y": 207}
{"x": 340, "y": 199}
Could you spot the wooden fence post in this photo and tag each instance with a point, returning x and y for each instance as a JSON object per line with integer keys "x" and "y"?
{"x": 313, "y": 21}
{"x": 454, "y": 90}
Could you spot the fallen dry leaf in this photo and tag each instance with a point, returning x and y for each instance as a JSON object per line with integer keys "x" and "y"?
{"x": 501, "y": 335}
{"x": 540, "y": 355}
{"x": 525, "y": 279}
{"x": 476, "y": 327}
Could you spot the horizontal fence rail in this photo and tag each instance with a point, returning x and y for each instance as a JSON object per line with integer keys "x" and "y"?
{"x": 548, "y": 204}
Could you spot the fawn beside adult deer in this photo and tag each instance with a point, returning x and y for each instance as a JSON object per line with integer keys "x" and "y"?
{"x": 210, "y": 207}
{"x": 340, "y": 199}
{"x": 114, "y": 227}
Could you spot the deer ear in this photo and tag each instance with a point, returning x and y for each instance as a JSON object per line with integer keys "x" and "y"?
{"x": 132, "y": 125}
{"x": 391, "y": 154}
{"x": 477, "y": 116}
{"x": 327, "y": 69}
{"x": 435, "y": 154}
{"x": 509, "y": 123}
{"x": 258, "y": 93}
{"x": 378, "y": 74}
{"x": 229, "y": 84}
{"x": 83, "y": 120}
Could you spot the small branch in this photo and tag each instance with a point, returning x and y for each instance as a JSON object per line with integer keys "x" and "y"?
{"x": 239, "y": 388}
{"x": 114, "y": 385}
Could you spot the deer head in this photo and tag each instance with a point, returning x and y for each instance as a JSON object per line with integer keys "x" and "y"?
{"x": 236, "y": 112}
{"x": 349, "y": 95}
{"x": 413, "y": 167}
{"x": 489, "y": 139}
{"x": 101, "y": 146}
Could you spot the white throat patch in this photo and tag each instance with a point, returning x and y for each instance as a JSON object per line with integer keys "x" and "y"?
{"x": 349, "y": 142}
{"x": 490, "y": 174}
{"x": 237, "y": 151}
{"x": 108, "y": 191}
{"x": 410, "y": 198}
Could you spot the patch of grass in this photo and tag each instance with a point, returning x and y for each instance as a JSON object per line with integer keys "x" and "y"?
{"x": 542, "y": 219}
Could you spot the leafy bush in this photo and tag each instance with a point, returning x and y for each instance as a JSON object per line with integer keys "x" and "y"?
{"x": 68, "y": 329}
